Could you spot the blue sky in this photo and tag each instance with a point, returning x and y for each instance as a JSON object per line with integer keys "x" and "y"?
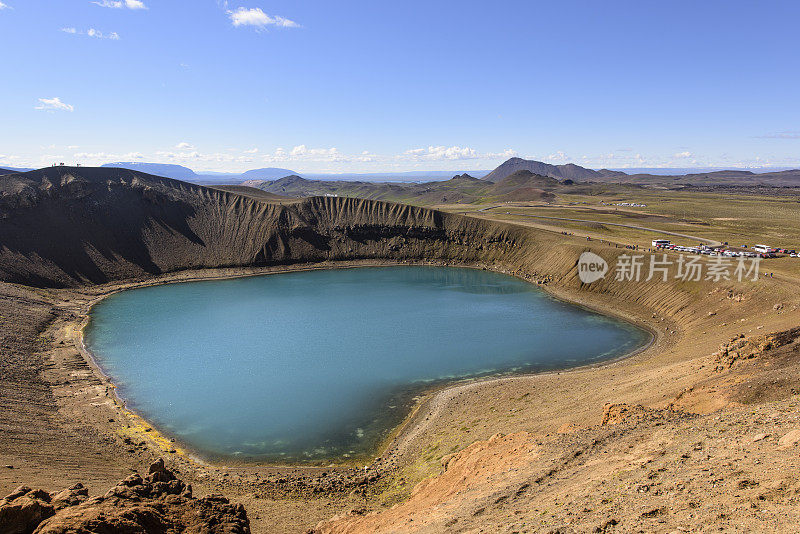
{"x": 321, "y": 86}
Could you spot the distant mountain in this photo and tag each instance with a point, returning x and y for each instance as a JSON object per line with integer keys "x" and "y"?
{"x": 290, "y": 183}
{"x": 680, "y": 171}
{"x": 12, "y": 170}
{"x": 179, "y": 172}
{"x": 570, "y": 171}
{"x": 176, "y": 172}
{"x": 297, "y": 186}
{"x": 525, "y": 178}
{"x": 576, "y": 173}
{"x": 464, "y": 178}
{"x": 410, "y": 176}
{"x": 460, "y": 189}
{"x": 251, "y": 192}
{"x": 268, "y": 173}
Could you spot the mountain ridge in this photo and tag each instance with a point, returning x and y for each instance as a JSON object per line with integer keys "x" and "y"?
{"x": 460, "y": 189}
{"x": 569, "y": 171}
{"x": 72, "y": 226}
{"x": 180, "y": 172}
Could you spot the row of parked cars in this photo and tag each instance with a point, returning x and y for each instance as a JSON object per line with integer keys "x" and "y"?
{"x": 761, "y": 251}
{"x": 768, "y": 252}
{"x": 792, "y": 253}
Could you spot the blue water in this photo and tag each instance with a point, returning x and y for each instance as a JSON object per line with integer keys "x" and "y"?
{"x": 313, "y": 365}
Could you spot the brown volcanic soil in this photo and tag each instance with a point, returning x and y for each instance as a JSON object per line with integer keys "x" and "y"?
{"x": 635, "y": 469}
{"x": 70, "y": 236}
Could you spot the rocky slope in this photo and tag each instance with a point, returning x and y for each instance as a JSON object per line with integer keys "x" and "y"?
{"x": 635, "y": 469}
{"x": 157, "y": 502}
{"x": 64, "y": 227}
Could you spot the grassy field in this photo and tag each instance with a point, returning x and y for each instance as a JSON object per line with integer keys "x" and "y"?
{"x": 723, "y": 217}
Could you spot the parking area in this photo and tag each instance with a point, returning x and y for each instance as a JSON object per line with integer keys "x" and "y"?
{"x": 742, "y": 251}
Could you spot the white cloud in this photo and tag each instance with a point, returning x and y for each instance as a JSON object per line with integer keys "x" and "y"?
{"x": 251, "y": 151}
{"x": 7, "y": 160}
{"x": 452, "y": 153}
{"x": 99, "y": 158}
{"x": 256, "y": 17}
{"x": 302, "y": 150}
{"x": 120, "y": 4}
{"x": 558, "y": 157}
{"x": 303, "y": 153}
{"x": 617, "y": 160}
{"x": 91, "y": 32}
{"x": 188, "y": 155}
{"x": 4, "y": 6}
{"x": 53, "y": 104}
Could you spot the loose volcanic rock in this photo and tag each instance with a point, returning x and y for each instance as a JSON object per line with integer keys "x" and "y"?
{"x": 159, "y": 502}
{"x": 23, "y": 510}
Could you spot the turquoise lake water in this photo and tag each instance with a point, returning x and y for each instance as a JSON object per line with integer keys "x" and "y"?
{"x": 319, "y": 364}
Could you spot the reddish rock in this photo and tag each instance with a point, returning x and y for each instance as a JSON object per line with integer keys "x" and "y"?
{"x": 157, "y": 503}
{"x": 23, "y": 510}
